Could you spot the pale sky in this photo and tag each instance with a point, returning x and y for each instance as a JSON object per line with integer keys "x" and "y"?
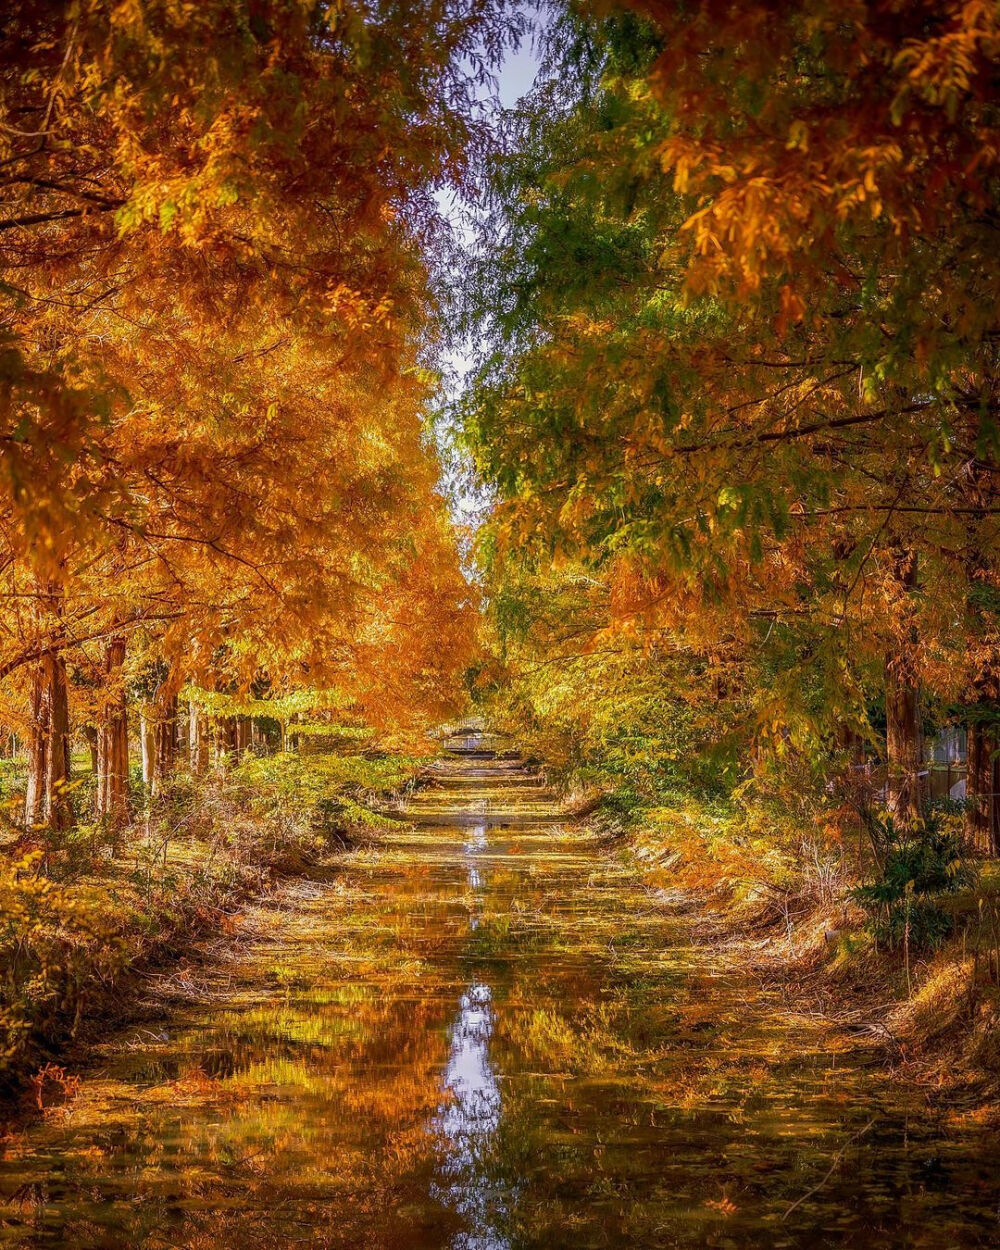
{"x": 514, "y": 79}
{"x": 517, "y": 74}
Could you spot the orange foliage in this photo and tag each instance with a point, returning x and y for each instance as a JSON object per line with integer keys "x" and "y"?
{"x": 213, "y": 225}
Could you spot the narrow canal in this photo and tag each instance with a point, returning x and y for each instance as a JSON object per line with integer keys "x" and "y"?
{"x": 484, "y": 1034}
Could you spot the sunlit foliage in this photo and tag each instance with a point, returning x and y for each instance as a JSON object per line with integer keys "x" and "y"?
{"x": 740, "y": 355}
{"x": 216, "y": 223}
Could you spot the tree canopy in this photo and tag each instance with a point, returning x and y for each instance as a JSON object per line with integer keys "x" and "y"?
{"x": 216, "y": 228}
{"x": 741, "y": 353}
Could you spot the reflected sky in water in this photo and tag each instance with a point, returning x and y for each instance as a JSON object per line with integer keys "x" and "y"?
{"x": 468, "y": 1121}
{"x": 476, "y": 840}
{"x": 468, "y": 1124}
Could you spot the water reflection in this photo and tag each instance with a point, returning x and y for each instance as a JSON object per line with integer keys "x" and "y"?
{"x": 474, "y": 843}
{"x": 469, "y": 1120}
{"x": 468, "y": 1124}
{"x": 482, "y": 1036}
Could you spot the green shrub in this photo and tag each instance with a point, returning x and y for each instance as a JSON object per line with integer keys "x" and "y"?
{"x": 918, "y": 867}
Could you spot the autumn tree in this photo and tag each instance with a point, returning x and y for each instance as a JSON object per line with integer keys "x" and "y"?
{"x": 730, "y": 351}
{"x": 213, "y": 237}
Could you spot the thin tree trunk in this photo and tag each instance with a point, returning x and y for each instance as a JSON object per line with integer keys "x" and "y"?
{"x": 165, "y": 756}
{"x": 242, "y": 735}
{"x": 146, "y": 740}
{"x": 197, "y": 740}
{"x": 38, "y": 749}
{"x": 904, "y": 729}
{"x": 90, "y": 733}
{"x": 225, "y": 736}
{"x": 994, "y": 806}
{"x": 113, "y": 800}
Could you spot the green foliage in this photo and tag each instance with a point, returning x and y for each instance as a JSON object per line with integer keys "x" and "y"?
{"x": 338, "y": 794}
{"x": 739, "y": 462}
{"x": 917, "y": 868}
{"x": 622, "y": 807}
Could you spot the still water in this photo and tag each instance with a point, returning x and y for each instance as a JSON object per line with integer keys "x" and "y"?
{"x": 485, "y": 1034}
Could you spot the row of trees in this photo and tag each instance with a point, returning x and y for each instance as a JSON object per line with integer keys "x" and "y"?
{"x": 215, "y": 225}
{"x": 740, "y": 380}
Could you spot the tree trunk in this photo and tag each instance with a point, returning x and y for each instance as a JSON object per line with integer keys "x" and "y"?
{"x": 164, "y": 745}
{"x": 225, "y": 736}
{"x": 58, "y": 808}
{"x": 146, "y": 740}
{"x": 982, "y": 783}
{"x": 38, "y": 750}
{"x": 159, "y": 739}
{"x": 242, "y": 735}
{"x": 904, "y": 746}
{"x": 994, "y": 806}
{"x": 197, "y": 740}
{"x": 47, "y": 800}
{"x": 982, "y": 788}
{"x": 90, "y": 733}
{"x": 113, "y": 800}
{"x": 904, "y": 730}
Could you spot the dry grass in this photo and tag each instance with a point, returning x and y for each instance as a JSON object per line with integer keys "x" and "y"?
{"x": 82, "y": 919}
{"x": 779, "y": 904}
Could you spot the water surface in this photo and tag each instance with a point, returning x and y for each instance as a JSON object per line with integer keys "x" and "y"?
{"x": 483, "y": 1035}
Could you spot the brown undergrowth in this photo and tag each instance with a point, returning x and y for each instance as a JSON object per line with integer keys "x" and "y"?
{"x": 86, "y": 917}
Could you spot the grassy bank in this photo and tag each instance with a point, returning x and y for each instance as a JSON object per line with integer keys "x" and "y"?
{"x": 896, "y": 943}
{"x": 84, "y": 914}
